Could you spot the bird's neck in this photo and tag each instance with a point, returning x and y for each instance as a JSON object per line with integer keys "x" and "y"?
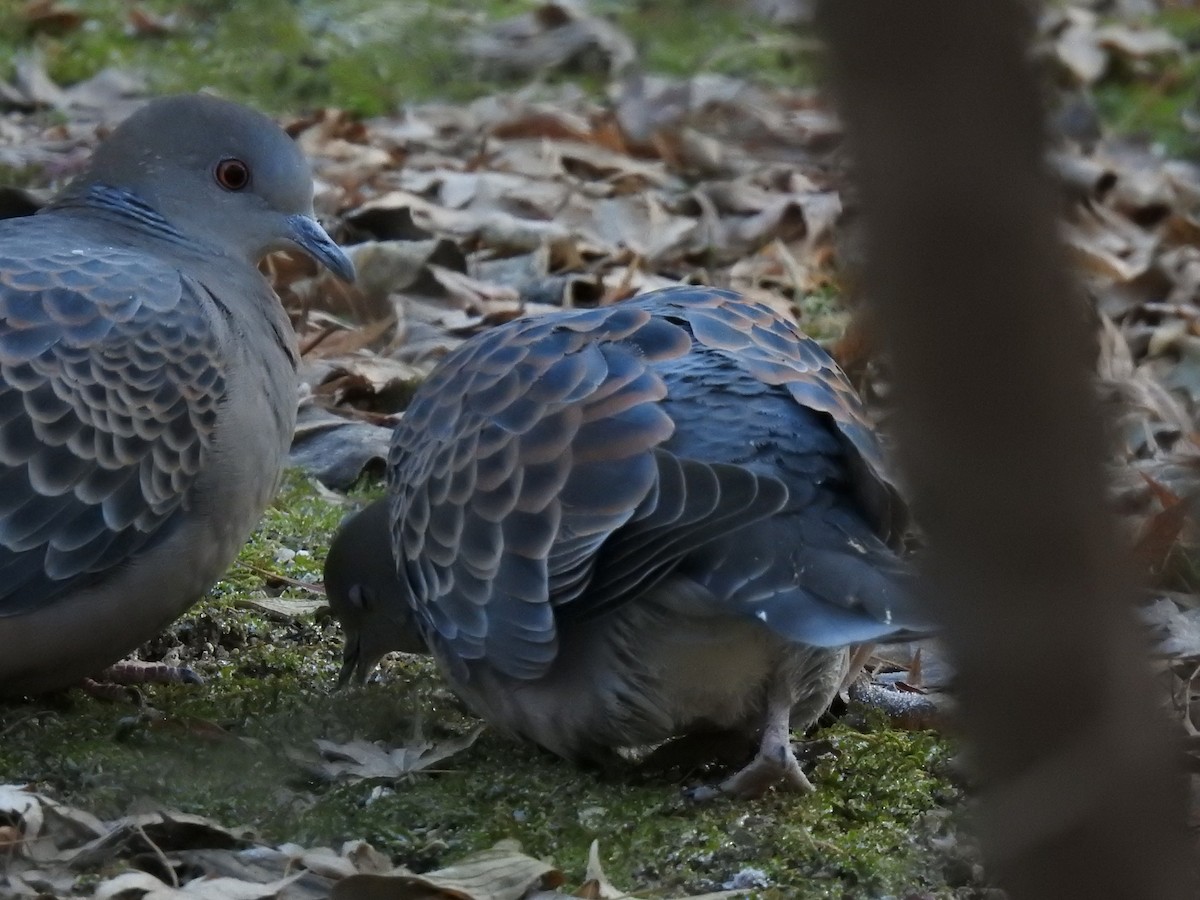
{"x": 119, "y": 206}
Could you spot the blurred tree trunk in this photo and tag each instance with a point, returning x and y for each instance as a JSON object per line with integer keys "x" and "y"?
{"x": 1003, "y": 444}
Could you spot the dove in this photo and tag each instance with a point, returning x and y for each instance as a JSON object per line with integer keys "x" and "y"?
{"x": 147, "y": 380}
{"x": 617, "y": 526}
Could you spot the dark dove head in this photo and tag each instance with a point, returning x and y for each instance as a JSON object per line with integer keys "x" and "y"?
{"x": 365, "y": 594}
{"x": 216, "y": 172}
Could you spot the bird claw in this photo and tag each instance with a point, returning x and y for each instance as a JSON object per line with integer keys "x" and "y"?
{"x": 773, "y": 766}
{"x": 135, "y": 671}
{"x": 119, "y": 681}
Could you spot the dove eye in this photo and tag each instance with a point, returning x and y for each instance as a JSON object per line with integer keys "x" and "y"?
{"x": 360, "y": 597}
{"x": 233, "y": 174}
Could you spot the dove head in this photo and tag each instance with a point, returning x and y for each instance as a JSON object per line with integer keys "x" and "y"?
{"x": 367, "y": 596}
{"x": 218, "y": 173}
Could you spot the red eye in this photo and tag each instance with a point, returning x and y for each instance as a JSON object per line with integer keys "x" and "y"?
{"x": 233, "y": 174}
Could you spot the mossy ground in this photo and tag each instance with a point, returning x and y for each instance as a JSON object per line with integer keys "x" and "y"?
{"x": 364, "y": 55}
{"x": 1161, "y": 100}
{"x": 227, "y": 750}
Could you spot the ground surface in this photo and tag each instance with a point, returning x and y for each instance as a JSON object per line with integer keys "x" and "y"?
{"x": 240, "y": 750}
{"x": 883, "y": 819}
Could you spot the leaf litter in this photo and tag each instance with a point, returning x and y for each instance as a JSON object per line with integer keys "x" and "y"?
{"x": 175, "y": 856}
{"x": 462, "y": 216}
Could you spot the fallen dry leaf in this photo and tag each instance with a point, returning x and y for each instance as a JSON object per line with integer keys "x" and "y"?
{"x": 501, "y": 873}
{"x": 1084, "y": 47}
{"x": 281, "y": 609}
{"x": 50, "y": 15}
{"x": 1178, "y": 628}
{"x": 143, "y": 886}
{"x": 554, "y": 35}
{"x": 364, "y": 760}
{"x": 144, "y": 23}
{"x": 597, "y": 886}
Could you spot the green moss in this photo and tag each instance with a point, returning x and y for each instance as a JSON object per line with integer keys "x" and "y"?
{"x": 683, "y": 37}
{"x": 282, "y": 55}
{"x": 822, "y": 315}
{"x": 1154, "y": 99}
{"x": 21, "y": 177}
{"x": 291, "y": 540}
{"x": 288, "y": 55}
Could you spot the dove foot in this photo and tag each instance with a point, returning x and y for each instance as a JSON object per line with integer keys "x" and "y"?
{"x": 770, "y": 768}
{"x": 775, "y": 764}
{"x": 118, "y": 681}
{"x": 133, "y": 672}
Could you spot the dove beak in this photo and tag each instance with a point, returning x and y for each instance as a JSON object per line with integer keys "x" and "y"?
{"x": 352, "y": 671}
{"x": 307, "y": 234}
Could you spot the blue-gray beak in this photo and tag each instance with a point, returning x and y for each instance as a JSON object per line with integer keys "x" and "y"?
{"x": 310, "y": 237}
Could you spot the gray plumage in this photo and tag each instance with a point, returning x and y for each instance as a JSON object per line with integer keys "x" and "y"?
{"x": 147, "y": 381}
{"x": 618, "y": 525}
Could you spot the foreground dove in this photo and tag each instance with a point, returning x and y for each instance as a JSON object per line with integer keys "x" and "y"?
{"x": 620, "y": 525}
{"x": 147, "y": 381}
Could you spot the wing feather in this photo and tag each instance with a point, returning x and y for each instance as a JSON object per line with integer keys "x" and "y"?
{"x": 531, "y": 479}
{"x": 110, "y": 382}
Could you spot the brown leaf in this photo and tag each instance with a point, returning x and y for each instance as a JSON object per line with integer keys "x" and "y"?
{"x": 143, "y": 23}
{"x": 1139, "y": 43}
{"x": 282, "y": 610}
{"x": 555, "y": 35}
{"x": 598, "y": 887}
{"x": 501, "y": 873}
{"x": 1160, "y": 535}
{"x": 144, "y": 886}
{"x": 332, "y": 339}
{"x": 364, "y": 760}
{"x": 35, "y": 84}
{"x": 51, "y": 16}
{"x": 368, "y": 379}
{"x": 1109, "y": 245}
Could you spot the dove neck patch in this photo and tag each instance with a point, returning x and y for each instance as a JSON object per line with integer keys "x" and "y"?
{"x": 123, "y": 205}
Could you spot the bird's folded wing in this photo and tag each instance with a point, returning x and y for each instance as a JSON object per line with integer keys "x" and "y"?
{"x": 109, "y": 388}
{"x": 777, "y": 354}
{"x": 513, "y": 465}
{"x": 692, "y": 504}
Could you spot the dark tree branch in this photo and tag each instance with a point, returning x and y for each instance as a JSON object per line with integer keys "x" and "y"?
{"x": 1003, "y": 445}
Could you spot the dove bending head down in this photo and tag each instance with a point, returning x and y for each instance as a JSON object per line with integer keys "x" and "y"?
{"x": 619, "y": 525}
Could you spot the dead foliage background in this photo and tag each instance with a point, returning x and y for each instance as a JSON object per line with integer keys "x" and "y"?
{"x": 461, "y": 216}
